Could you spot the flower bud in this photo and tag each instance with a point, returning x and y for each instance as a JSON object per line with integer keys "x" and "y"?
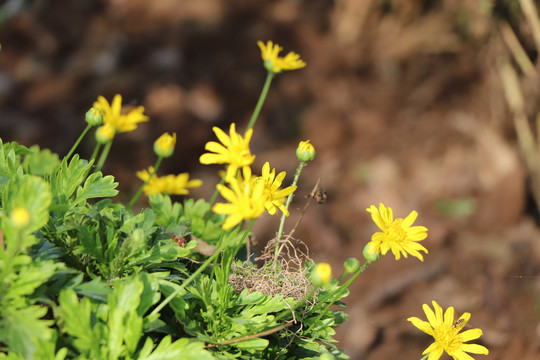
{"x": 370, "y": 253}
{"x": 20, "y": 217}
{"x": 164, "y": 146}
{"x": 351, "y": 265}
{"x": 105, "y": 133}
{"x": 326, "y": 356}
{"x": 305, "y": 151}
{"x": 94, "y": 117}
{"x": 321, "y": 274}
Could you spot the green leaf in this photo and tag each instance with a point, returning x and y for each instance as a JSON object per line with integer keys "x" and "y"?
{"x": 21, "y": 328}
{"x": 40, "y": 162}
{"x": 252, "y": 344}
{"x": 76, "y": 320}
{"x": 184, "y": 349}
{"x": 96, "y": 186}
{"x": 68, "y": 178}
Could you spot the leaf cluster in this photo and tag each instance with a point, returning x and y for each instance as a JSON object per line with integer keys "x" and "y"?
{"x": 86, "y": 278}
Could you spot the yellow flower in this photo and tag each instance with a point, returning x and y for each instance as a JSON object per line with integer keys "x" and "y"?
{"x": 246, "y": 199}
{"x": 275, "y": 63}
{"x": 234, "y": 151}
{"x": 397, "y": 234}
{"x": 321, "y": 275}
{"x": 105, "y": 133}
{"x": 113, "y": 115}
{"x": 20, "y": 217}
{"x": 274, "y": 196}
{"x": 164, "y": 146}
{"x": 447, "y": 334}
{"x": 168, "y": 184}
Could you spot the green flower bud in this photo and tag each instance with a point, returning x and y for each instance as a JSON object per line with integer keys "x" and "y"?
{"x": 164, "y": 146}
{"x": 370, "y": 253}
{"x": 326, "y": 356}
{"x": 321, "y": 274}
{"x": 94, "y": 117}
{"x": 351, "y": 265}
{"x": 305, "y": 151}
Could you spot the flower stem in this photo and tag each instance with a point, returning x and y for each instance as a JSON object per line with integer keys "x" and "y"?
{"x": 104, "y": 155}
{"x": 287, "y": 203}
{"x": 95, "y": 152}
{"x": 197, "y": 272}
{"x": 78, "y": 142}
{"x": 260, "y": 102}
{"x": 136, "y": 196}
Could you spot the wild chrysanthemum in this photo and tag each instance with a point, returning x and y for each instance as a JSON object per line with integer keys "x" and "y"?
{"x": 447, "y": 334}
{"x": 168, "y": 184}
{"x": 274, "y": 196}
{"x": 233, "y": 150}
{"x": 397, "y": 234}
{"x": 276, "y": 64}
{"x": 246, "y": 199}
{"x": 122, "y": 121}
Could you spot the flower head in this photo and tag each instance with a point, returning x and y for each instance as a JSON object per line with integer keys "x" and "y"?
{"x": 164, "y": 145}
{"x": 447, "y": 334}
{"x": 305, "y": 151}
{"x": 276, "y": 64}
{"x": 246, "y": 199}
{"x": 397, "y": 234}
{"x": 94, "y": 116}
{"x": 119, "y": 120}
{"x": 168, "y": 184}
{"x": 274, "y": 196}
{"x": 233, "y": 150}
{"x": 105, "y": 133}
{"x": 321, "y": 274}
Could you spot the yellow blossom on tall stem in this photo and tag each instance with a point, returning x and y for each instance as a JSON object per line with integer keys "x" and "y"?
{"x": 276, "y": 64}
{"x": 446, "y": 333}
{"x": 274, "y": 196}
{"x": 398, "y": 234}
{"x": 246, "y": 199}
{"x": 233, "y": 150}
{"x": 122, "y": 121}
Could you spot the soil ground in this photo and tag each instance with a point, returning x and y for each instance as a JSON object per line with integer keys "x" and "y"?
{"x": 402, "y": 99}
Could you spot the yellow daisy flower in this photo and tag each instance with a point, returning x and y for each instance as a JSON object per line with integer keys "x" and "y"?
{"x": 275, "y": 197}
{"x": 275, "y": 63}
{"x": 447, "y": 334}
{"x": 113, "y": 114}
{"x": 233, "y": 150}
{"x": 397, "y": 234}
{"x": 168, "y": 184}
{"x": 246, "y": 199}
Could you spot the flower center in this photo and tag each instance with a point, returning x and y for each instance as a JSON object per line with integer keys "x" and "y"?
{"x": 395, "y": 231}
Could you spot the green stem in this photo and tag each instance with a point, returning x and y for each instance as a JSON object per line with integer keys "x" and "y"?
{"x": 296, "y": 306}
{"x": 287, "y": 203}
{"x": 136, "y": 196}
{"x": 425, "y": 357}
{"x": 94, "y": 154}
{"x": 78, "y": 142}
{"x": 199, "y": 270}
{"x": 104, "y": 155}
{"x": 260, "y": 102}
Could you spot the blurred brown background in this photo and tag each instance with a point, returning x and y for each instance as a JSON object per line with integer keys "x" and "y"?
{"x": 402, "y": 99}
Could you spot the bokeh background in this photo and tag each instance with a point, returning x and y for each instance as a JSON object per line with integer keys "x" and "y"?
{"x": 403, "y": 100}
